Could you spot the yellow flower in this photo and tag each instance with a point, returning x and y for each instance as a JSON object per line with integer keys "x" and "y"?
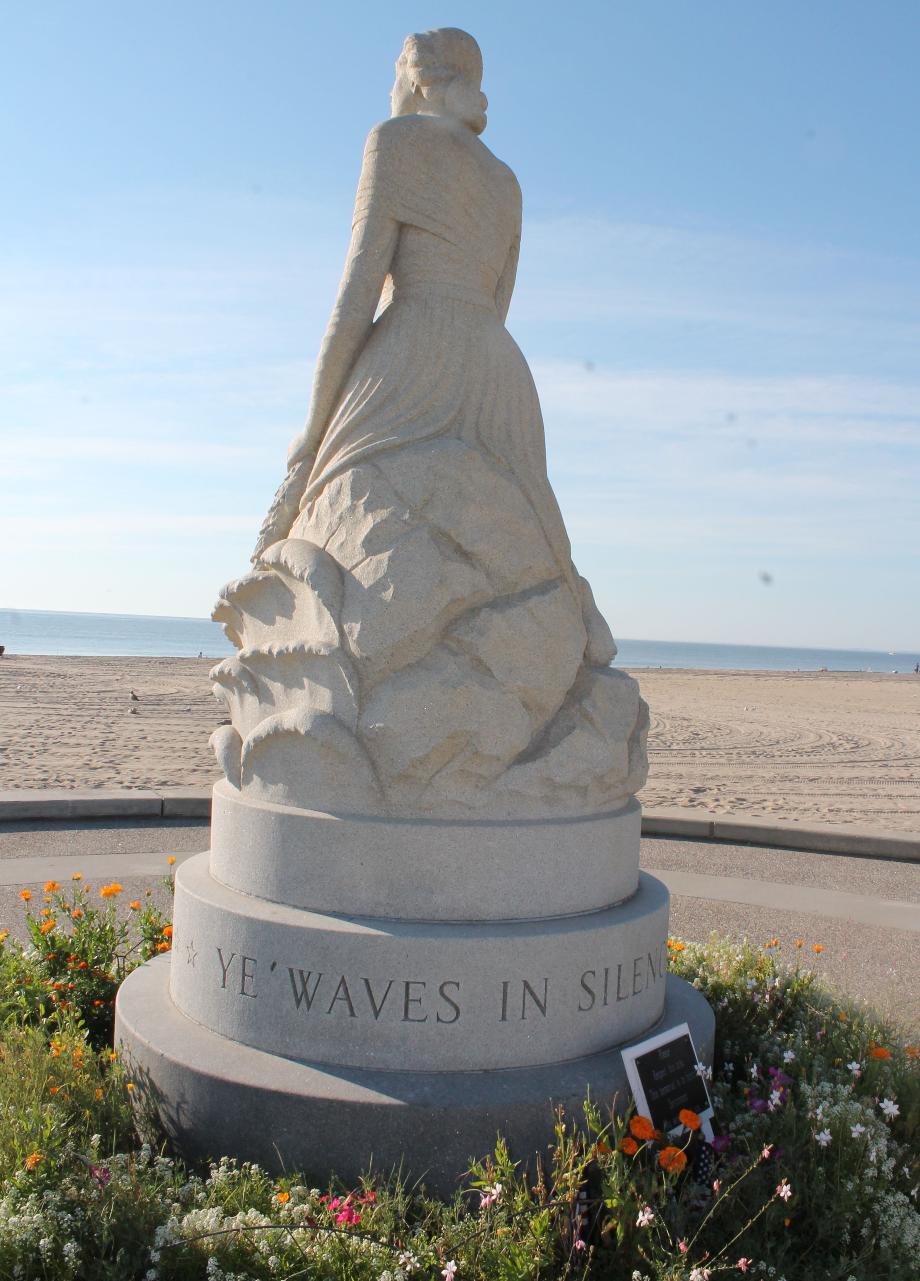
{"x": 171, "y": 859}
{"x": 282, "y": 1197}
{"x": 25, "y": 895}
{"x": 32, "y": 1160}
{"x": 76, "y": 876}
{"x": 109, "y": 891}
{"x": 129, "y": 1085}
{"x": 51, "y": 886}
{"x": 4, "y": 934}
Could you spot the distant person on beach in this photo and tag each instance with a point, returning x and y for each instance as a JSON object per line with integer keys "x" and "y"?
{"x": 2, "y": 650}
{"x": 916, "y": 665}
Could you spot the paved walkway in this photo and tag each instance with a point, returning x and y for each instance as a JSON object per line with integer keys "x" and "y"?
{"x": 864, "y": 912}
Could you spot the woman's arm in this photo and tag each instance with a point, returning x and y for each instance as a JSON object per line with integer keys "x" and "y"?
{"x": 373, "y": 243}
{"x": 505, "y": 287}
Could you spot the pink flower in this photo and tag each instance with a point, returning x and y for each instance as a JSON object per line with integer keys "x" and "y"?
{"x": 646, "y": 1216}
{"x": 683, "y": 1247}
{"x": 449, "y": 1271}
{"x": 784, "y": 1190}
{"x": 767, "y": 1151}
{"x": 490, "y": 1195}
{"x": 744, "y": 1264}
{"x": 580, "y": 1245}
{"x": 717, "y": 1186}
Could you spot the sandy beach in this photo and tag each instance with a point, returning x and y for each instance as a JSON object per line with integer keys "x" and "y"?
{"x": 838, "y": 748}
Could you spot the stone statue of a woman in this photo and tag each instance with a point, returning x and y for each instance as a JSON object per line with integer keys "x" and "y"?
{"x": 414, "y": 638}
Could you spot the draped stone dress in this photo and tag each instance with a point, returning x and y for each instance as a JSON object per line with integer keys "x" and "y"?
{"x": 432, "y": 649}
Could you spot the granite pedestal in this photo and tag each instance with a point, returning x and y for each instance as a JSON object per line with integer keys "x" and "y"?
{"x": 289, "y": 1028}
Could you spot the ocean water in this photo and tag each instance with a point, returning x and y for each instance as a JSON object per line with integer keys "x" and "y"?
{"x": 44, "y": 632}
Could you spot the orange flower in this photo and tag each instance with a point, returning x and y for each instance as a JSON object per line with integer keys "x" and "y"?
{"x": 689, "y": 1118}
{"x": 282, "y": 1197}
{"x": 167, "y": 931}
{"x": 818, "y": 947}
{"x": 77, "y": 913}
{"x": 601, "y": 1148}
{"x": 109, "y": 891}
{"x": 25, "y": 895}
{"x": 672, "y": 1160}
{"x": 51, "y": 886}
{"x": 99, "y": 1091}
{"x": 842, "y": 1017}
{"x": 799, "y": 942}
{"x": 880, "y": 1053}
{"x": 53, "y": 1089}
{"x": 32, "y": 1160}
{"x": 48, "y": 926}
{"x": 912, "y": 1051}
{"x": 171, "y": 859}
{"x": 629, "y": 1146}
{"x": 135, "y": 905}
{"x": 675, "y": 945}
{"x": 46, "y": 911}
{"x": 640, "y": 1127}
{"x": 163, "y": 947}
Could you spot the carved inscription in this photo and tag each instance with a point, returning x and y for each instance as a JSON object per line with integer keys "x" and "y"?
{"x": 397, "y": 999}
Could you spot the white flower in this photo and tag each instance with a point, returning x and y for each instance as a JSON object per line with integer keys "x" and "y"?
{"x": 775, "y": 1099}
{"x": 646, "y": 1216}
{"x": 823, "y": 1138}
{"x": 784, "y": 1191}
{"x": 855, "y": 1068}
{"x": 449, "y": 1271}
{"x": 408, "y": 1262}
{"x": 788, "y": 1056}
{"x": 755, "y": 1071}
{"x": 890, "y": 1108}
{"x": 490, "y": 1195}
{"x": 857, "y": 1130}
{"x": 700, "y": 1274}
{"x": 703, "y": 1071}
{"x": 750, "y": 984}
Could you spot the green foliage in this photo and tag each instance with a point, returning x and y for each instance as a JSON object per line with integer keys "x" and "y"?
{"x": 80, "y": 952}
{"x": 813, "y": 1099}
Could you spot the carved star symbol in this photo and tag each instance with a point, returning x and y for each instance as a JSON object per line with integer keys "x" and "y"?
{"x": 191, "y": 956}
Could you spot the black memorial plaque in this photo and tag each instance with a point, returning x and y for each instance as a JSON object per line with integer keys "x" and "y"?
{"x": 670, "y": 1081}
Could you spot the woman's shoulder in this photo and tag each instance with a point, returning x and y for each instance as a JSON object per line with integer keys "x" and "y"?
{"x": 407, "y": 131}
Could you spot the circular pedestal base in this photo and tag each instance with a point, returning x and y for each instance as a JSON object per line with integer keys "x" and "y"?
{"x": 216, "y": 1097}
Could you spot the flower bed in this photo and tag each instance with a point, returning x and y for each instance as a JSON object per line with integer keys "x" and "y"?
{"x": 813, "y": 1175}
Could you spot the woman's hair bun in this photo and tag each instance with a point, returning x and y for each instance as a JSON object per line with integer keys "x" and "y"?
{"x": 434, "y": 58}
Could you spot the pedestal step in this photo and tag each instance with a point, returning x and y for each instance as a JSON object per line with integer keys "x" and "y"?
{"x": 372, "y": 993}
{"x": 424, "y": 869}
{"x": 215, "y": 1096}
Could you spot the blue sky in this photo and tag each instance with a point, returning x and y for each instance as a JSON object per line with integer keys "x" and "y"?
{"x": 719, "y": 292}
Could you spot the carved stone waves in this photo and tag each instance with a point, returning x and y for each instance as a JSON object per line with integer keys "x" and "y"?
{"x": 413, "y": 649}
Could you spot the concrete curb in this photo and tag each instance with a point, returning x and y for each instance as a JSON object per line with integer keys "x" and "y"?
{"x": 46, "y": 803}
{"x": 816, "y": 838}
{"x": 195, "y": 802}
